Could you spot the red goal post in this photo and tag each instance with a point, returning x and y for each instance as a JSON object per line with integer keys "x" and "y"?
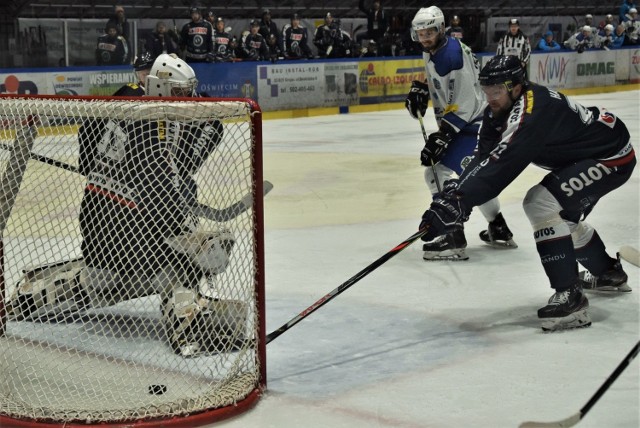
{"x": 75, "y": 355}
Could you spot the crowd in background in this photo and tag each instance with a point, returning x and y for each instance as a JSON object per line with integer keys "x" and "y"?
{"x": 207, "y": 38}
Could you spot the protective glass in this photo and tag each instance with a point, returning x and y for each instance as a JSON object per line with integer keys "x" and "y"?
{"x": 494, "y": 92}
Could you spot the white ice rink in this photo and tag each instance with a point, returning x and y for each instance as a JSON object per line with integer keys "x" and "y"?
{"x": 415, "y": 343}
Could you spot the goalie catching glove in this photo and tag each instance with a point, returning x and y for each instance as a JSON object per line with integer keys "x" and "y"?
{"x": 446, "y": 213}
{"x": 417, "y": 99}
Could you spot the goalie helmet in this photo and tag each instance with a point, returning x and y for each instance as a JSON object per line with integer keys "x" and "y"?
{"x": 170, "y": 76}
{"x": 502, "y": 69}
{"x": 427, "y": 17}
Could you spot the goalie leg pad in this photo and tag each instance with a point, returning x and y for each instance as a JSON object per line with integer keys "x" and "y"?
{"x": 48, "y": 291}
{"x": 196, "y": 325}
{"x": 210, "y": 251}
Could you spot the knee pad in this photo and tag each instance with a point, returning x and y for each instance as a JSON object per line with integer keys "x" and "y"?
{"x": 581, "y": 234}
{"x": 444, "y": 173}
{"x": 543, "y": 211}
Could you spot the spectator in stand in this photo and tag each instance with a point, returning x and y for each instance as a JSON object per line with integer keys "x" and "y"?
{"x": 582, "y": 40}
{"x": 605, "y": 40}
{"x": 632, "y": 26}
{"x": 454, "y": 29}
{"x": 196, "y": 38}
{"x": 377, "y": 22}
{"x": 111, "y": 49}
{"x": 122, "y": 26}
{"x": 222, "y": 52}
{"x": 296, "y": 40}
{"x": 121, "y": 23}
{"x": 515, "y": 43}
{"x": 619, "y": 37}
{"x": 254, "y": 46}
{"x": 162, "y": 41}
{"x": 547, "y": 43}
{"x": 268, "y": 27}
{"x": 330, "y": 40}
{"x": 626, "y": 6}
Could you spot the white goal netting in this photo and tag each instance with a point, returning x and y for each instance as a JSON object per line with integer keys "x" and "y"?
{"x": 132, "y": 277}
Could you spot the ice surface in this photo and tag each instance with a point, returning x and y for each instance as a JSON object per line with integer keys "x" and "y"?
{"x": 424, "y": 344}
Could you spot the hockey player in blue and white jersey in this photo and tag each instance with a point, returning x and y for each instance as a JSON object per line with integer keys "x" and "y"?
{"x": 589, "y": 154}
{"x": 452, "y": 85}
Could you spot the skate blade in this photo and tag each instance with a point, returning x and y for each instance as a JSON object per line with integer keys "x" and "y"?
{"x": 454, "y": 256}
{"x": 577, "y": 319}
{"x": 622, "y": 288}
{"x": 510, "y": 244}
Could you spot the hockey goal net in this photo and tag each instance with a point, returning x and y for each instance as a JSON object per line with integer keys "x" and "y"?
{"x": 132, "y": 277}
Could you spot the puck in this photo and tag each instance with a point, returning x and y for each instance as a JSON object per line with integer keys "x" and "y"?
{"x": 157, "y": 389}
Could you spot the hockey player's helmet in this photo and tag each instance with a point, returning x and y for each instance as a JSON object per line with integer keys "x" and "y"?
{"x": 143, "y": 62}
{"x": 502, "y": 69}
{"x": 170, "y": 76}
{"x": 427, "y": 17}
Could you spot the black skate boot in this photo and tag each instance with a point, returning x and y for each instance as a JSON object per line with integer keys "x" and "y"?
{"x": 446, "y": 247}
{"x": 498, "y": 234}
{"x": 615, "y": 279}
{"x": 566, "y": 309}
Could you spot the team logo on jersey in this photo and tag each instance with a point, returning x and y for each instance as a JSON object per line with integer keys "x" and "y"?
{"x": 464, "y": 163}
{"x": 607, "y": 118}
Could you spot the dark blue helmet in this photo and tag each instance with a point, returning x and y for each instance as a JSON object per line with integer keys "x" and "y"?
{"x": 505, "y": 69}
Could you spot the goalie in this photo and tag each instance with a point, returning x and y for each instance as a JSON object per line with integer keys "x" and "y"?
{"x": 139, "y": 235}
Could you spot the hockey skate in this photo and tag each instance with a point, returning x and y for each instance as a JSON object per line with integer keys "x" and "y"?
{"x": 446, "y": 247}
{"x": 498, "y": 234}
{"x": 613, "y": 280}
{"x": 565, "y": 310}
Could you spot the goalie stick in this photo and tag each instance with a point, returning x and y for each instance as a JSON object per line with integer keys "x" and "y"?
{"x": 630, "y": 254}
{"x": 201, "y": 210}
{"x": 345, "y": 285}
{"x": 574, "y": 419}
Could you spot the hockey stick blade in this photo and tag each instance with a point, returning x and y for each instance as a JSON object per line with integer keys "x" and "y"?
{"x": 345, "y": 285}
{"x": 574, "y": 419}
{"x": 200, "y": 210}
{"x": 232, "y": 211}
{"x": 630, "y": 254}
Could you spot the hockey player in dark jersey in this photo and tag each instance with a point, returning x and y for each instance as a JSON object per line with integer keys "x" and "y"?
{"x": 452, "y": 84}
{"x": 111, "y": 49}
{"x": 254, "y": 46}
{"x": 296, "y": 40}
{"x": 589, "y": 154}
{"x": 139, "y": 235}
{"x": 196, "y": 38}
{"x": 141, "y": 66}
{"x": 221, "y": 39}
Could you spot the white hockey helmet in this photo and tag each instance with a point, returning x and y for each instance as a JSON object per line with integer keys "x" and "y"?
{"x": 427, "y": 17}
{"x": 609, "y": 28}
{"x": 170, "y": 76}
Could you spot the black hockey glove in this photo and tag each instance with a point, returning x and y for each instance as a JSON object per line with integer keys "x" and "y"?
{"x": 435, "y": 147}
{"x": 446, "y": 213}
{"x": 417, "y": 99}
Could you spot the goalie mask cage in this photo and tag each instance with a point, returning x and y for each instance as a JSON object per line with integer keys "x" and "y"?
{"x": 67, "y": 362}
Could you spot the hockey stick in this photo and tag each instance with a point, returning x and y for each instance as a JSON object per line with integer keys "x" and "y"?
{"x": 630, "y": 254}
{"x": 426, "y": 138}
{"x": 201, "y": 210}
{"x": 574, "y": 419}
{"x": 345, "y": 285}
